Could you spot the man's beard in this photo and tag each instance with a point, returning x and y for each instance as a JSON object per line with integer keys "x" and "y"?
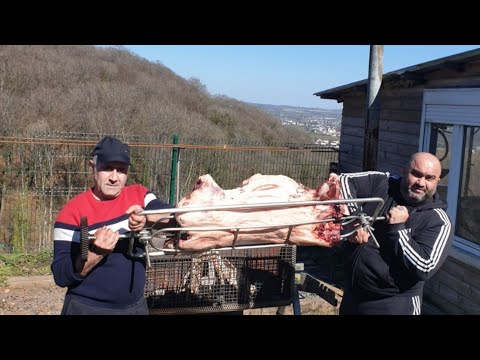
{"x": 411, "y": 197}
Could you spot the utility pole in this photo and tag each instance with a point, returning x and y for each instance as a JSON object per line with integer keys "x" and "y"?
{"x": 375, "y": 73}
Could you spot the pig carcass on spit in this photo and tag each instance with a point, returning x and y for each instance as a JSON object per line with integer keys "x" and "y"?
{"x": 261, "y": 189}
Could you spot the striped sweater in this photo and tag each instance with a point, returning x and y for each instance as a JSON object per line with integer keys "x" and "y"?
{"x": 118, "y": 280}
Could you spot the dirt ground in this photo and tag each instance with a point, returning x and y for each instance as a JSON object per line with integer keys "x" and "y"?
{"x": 38, "y": 295}
{"x": 31, "y": 295}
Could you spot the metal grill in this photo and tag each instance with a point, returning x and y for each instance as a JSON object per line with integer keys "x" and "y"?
{"x": 221, "y": 281}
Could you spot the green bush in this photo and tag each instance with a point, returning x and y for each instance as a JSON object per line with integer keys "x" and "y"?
{"x": 18, "y": 264}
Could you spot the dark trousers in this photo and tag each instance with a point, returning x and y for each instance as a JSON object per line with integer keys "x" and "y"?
{"x": 72, "y": 306}
{"x": 396, "y": 305}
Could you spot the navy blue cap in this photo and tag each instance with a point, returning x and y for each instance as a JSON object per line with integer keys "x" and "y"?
{"x": 110, "y": 149}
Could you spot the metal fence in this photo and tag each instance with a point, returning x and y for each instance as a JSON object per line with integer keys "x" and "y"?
{"x": 41, "y": 171}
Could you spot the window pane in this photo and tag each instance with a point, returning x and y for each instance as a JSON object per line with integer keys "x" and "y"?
{"x": 440, "y": 145}
{"x": 468, "y": 210}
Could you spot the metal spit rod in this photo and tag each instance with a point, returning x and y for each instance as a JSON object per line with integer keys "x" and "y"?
{"x": 265, "y": 206}
{"x": 242, "y": 247}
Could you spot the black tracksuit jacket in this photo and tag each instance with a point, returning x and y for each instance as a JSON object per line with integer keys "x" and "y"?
{"x": 384, "y": 278}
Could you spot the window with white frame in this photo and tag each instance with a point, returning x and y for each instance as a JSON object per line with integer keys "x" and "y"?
{"x": 451, "y": 130}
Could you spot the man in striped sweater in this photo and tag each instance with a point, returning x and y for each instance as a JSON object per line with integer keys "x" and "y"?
{"x": 414, "y": 239}
{"x": 109, "y": 282}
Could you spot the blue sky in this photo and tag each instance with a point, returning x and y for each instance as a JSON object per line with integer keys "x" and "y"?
{"x": 284, "y": 74}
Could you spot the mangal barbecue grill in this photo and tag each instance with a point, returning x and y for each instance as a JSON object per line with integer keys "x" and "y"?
{"x": 226, "y": 279}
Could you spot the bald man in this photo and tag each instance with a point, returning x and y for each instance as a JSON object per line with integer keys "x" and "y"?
{"x": 414, "y": 239}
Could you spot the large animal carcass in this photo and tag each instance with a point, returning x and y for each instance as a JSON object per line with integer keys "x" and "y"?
{"x": 254, "y": 224}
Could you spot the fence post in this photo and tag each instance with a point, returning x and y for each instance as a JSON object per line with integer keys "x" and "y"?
{"x": 173, "y": 173}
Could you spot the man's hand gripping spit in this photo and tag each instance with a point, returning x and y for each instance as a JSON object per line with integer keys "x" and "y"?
{"x": 104, "y": 243}
{"x": 360, "y": 236}
{"x": 396, "y": 215}
{"x": 136, "y": 222}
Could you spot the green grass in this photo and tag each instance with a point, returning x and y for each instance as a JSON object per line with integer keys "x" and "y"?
{"x": 18, "y": 264}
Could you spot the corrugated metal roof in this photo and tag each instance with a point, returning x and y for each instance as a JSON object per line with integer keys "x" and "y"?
{"x": 335, "y": 93}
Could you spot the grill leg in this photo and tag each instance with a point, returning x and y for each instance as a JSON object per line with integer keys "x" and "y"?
{"x": 281, "y": 310}
{"x": 296, "y": 301}
{"x": 296, "y": 304}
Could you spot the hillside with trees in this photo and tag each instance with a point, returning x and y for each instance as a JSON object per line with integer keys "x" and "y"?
{"x": 88, "y": 89}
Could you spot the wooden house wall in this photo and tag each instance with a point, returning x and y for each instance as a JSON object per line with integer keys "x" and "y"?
{"x": 352, "y": 132}
{"x": 455, "y": 288}
{"x": 400, "y": 118}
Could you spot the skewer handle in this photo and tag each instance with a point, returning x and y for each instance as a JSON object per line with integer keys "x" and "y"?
{"x": 84, "y": 240}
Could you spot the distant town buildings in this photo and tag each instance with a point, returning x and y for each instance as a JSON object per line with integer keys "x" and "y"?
{"x": 322, "y": 124}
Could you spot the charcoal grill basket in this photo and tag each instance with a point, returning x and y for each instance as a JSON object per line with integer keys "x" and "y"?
{"x": 221, "y": 281}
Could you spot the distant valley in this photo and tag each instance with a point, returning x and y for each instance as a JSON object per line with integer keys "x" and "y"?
{"x": 322, "y": 124}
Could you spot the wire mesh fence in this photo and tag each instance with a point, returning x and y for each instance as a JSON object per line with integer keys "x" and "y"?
{"x": 41, "y": 171}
